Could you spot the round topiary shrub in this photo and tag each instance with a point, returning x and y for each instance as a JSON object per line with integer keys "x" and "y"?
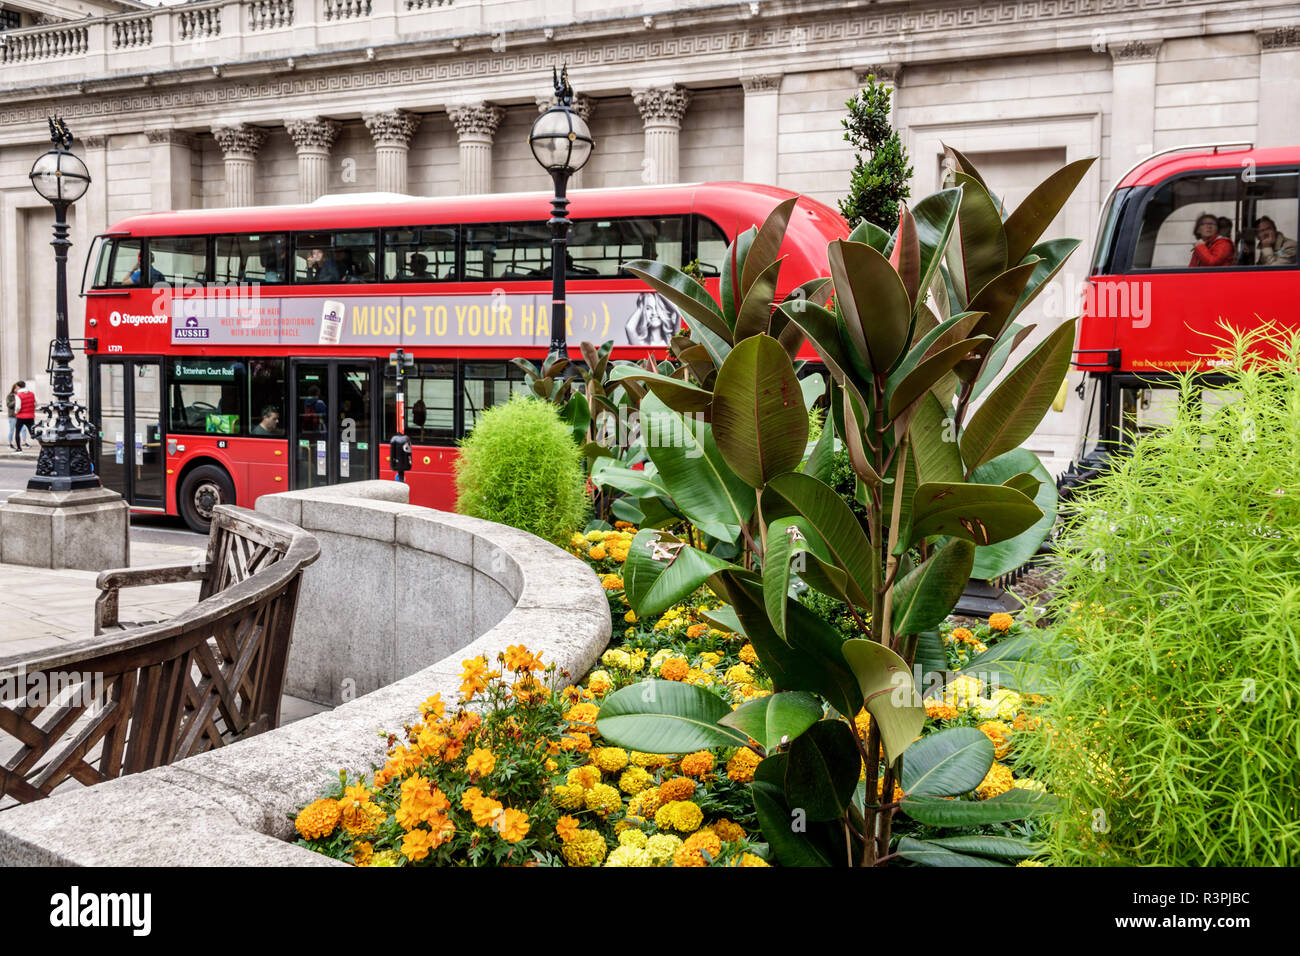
{"x": 521, "y": 467}
{"x": 1170, "y": 735}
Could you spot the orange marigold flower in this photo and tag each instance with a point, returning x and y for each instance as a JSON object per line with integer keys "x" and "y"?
{"x": 566, "y": 827}
{"x": 485, "y": 810}
{"x": 697, "y": 764}
{"x": 1000, "y": 621}
{"x": 598, "y": 553}
{"x": 362, "y": 854}
{"x": 741, "y": 766}
{"x": 692, "y": 851}
{"x": 519, "y": 659}
{"x": 573, "y": 740}
{"x": 318, "y": 819}
{"x": 481, "y": 762}
{"x": 469, "y": 796}
{"x": 938, "y": 710}
{"x": 512, "y": 825}
{"x": 678, "y": 788}
{"x": 674, "y": 668}
{"x": 1000, "y": 734}
{"x": 696, "y": 630}
{"x": 417, "y": 844}
{"x": 728, "y": 831}
{"x": 748, "y": 654}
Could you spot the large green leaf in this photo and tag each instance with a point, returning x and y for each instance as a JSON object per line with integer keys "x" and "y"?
{"x": 822, "y": 770}
{"x": 932, "y": 854}
{"x": 692, "y": 469}
{"x": 855, "y": 441}
{"x": 876, "y": 308}
{"x": 824, "y": 332}
{"x": 811, "y": 661}
{"x": 759, "y": 421}
{"x": 821, "y": 460}
{"x": 932, "y": 455}
{"x": 731, "y": 291}
{"x": 872, "y": 235}
{"x": 765, "y": 248}
{"x": 997, "y": 559}
{"x": 888, "y": 693}
{"x": 1032, "y": 217}
{"x": 687, "y": 295}
{"x": 1006, "y": 807}
{"x": 997, "y": 300}
{"x": 831, "y": 516}
{"x": 755, "y": 313}
{"x": 947, "y": 763}
{"x": 662, "y": 570}
{"x": 1015, "y": 406}
{"x": 979, "y": 248}
{"x": 905, "y": 256}
{"x": 924, "y": 597}
{"x": 997, "y": 357}
{"x": 1051, "y": 257}
{"x": 997, "y": 847}
{"x": 666, "y": 717}
{"x": 928, "y": 373}
{"x": 776, "y": 719}
{"x": 935, "y": 217}
{"x": 982, "y": 514}
{"x": 794, "y": 540}
{"x": 630, "y": 481}
{"x": 676, "y": 394}
{"x": 724, "y": 618}
{"x": 793, "y": 840}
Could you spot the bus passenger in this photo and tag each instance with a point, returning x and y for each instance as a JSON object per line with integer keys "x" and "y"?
{"x": 154, "y": 275}
{"x": 419, "y": 265}
{"x": 1211, "y": 249}
{"x": 1271, "y": 247}
{"x": 270, "y": 423}
{"x": 321, "y": 269}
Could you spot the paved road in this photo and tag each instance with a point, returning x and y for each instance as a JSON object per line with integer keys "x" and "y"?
{"x": 145, "y": 529}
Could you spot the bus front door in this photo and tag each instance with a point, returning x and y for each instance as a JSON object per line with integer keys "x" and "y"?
{"x": 334, "y": 422}
{"x": 127, "y": 406}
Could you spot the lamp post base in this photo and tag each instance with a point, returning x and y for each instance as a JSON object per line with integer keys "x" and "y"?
{"x": 64, "y": 465}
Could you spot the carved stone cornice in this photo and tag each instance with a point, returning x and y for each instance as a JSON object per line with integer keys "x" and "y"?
{"x": 94, "y": 142}
{"x": 313, "y": 133}
{"x": 1279, "y": 38}
{"x": 1134, "y": 51}
{"x": 886, "y": 74}
{"x": 173, "y": 136}
{"x": 583, "y": 105}
{"x": 662, "y": 104}
{"x": 761, "y": 83}
{"x": 240, "y": 141}
{"x": 477, "y": 120}
{"x": 392, "y": 128}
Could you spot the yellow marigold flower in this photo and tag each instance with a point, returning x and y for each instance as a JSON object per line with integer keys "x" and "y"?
{"x": 1008, "y": 703}
{"x": 567, "y": 797}
{"x": 1000, "y": 734}
{"x": 692, "y": 852}
{"x": 629, "y": 856}
{"x": 662, "y": 846}
{"x": 318, "y": 819}
{"x": 386, "y": 858}
{"x": 513, "y": 825}
{"x": 597, "y": 535}
{"x": 519, "y": 659}
{"x": 644, "y": 804}
{"x": 659, "y": 657}
{"x": 630, "y": 616}
{"x": 697, "y": 630}
{"x": 679, "y": 815}
{"x": 586, "y": 776}
{"x": 632, "y": 837}
{"x": 738, "y": 674}
{"x": 750, "y": 859}
{"x": 634, "y": 780}
{"x": 998, "y": 780}
{"x": 358, "y": 815}
{"x": 362, "y": 854}
{"x": 584, "y": 848}
{"x": 962, "y": 692}
{"x": 598, "y": 553}
{"x": 1000, "y": 621}
{"x": 611, "y": 582}
{"x": 481, "y": 762}
{"x": 566, "y": 827}
{"x": 678, "y": 788}
{"x": 698, "y": 677}
{"x": 574, "y": 740}
{"x": 697, "y": 764}
{"x": 741, "y": 766}
{"x": 577, "y": 541}
{"x": 674, "y": 668}
{"x": 469, "y": 796}
{"x": 728, "y": 831}
{"x": 528, "y": 689}
{"x": 603, "y": 799}
{"x": 1025, "y": 783}
{"x": 863, "y": 723}
{"x": 1031, "y": 863}
{"x": 417, "y": 844}
{"x": 485, "y": 810}
{"x": 651, "y": 761}
{"x": 748, "y": 654}
{"x": 600, "y": 683}
{"x": 938, "y": 710}
{"x": 433, "y": 707}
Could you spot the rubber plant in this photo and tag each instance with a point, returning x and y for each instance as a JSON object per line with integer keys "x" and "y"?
{"x": 939, "y": 482}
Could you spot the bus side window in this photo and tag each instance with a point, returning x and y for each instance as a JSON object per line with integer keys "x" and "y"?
{"x": 425, "y": 254}
{"x": 484, "y": 384}
{"x": 601, "y": 247}
{"x": 207, "y": 396}
{"x": 126, "y": 262}
{"x": 267, "y": 397}
{"x": 520, "y": 250}
{"x": 251, "y": 258}
{"x": 430, "y": 404}
{"x": 181, "y": 260}
{"x": 103, "y": 266}
{"x": 710, "y": 246}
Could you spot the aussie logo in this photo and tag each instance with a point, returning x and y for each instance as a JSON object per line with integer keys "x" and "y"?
{"x": 116, "y": 318}
{"x": 191, "y": 330}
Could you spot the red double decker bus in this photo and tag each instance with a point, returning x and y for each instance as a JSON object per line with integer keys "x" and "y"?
{"x": 1189, "y": 238}
{"x": 240, "y": 352}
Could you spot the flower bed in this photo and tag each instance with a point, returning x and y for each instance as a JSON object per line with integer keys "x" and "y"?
{"x": 516, "y": 773}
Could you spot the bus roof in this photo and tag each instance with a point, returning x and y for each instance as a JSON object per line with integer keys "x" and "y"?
{"x": 720, "y": 201}
{"x": 1230, "y": 156}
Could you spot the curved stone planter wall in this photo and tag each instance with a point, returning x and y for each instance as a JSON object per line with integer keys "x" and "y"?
{"x": 400, "y": 596}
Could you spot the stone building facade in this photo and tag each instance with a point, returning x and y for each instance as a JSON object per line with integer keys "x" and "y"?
{"x": 234, "y": 102}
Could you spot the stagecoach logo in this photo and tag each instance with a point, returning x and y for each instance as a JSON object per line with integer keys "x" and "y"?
{"x": 192, "y": 330}
{"x": 118, "y": 318}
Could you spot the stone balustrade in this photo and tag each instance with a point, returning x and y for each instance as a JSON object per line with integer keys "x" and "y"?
{"x": 399, "y": 597}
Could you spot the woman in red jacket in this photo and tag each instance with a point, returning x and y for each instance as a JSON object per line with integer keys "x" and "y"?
{"x": 1211, "y": 249}
{"x": 26, "y": 413}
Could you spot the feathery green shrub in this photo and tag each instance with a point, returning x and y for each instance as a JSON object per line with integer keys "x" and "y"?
{"x": 1172, "y": 736}
{"x": 520, "y": 466}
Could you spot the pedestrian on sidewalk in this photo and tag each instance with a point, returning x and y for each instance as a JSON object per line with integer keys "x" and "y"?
{"x": 26, "y": 414}
{"x": 11, "y": 409}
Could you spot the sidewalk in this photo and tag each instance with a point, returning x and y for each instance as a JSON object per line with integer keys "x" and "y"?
{"x": 41, "y": 608}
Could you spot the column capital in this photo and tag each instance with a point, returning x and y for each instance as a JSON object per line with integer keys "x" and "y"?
{"x": 662, "y": 104}
{"x": 761, "y": 83}
{"x": 313, "y": 133}
{"x": 239, "y": 141}
{"x": 1134, "y": 51}
{"x": 393, "y": 128}
{"x": 583, "y": 104}
{"x": 480, "y": 120}
{"x": 1279, "y": 38}
{"x": 889, "y": 74}
{"x": 175, "y": 136}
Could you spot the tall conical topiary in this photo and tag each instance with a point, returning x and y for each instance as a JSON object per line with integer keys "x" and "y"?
{"x": 879, "y": 179}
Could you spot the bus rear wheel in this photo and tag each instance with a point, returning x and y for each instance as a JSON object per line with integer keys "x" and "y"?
{"x": 202, "y": 490}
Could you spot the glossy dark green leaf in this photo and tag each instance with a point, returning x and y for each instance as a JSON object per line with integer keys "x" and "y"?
{"x": 792, "y": 841}
{"x": 827, "y": 512}
{"x": 935, "y": 217}
{"x": 997, "y": 300}
{"x": 982, "y": 514}
{"x": 1032, "y": 217}
{"x": 888, "y": 692}
{"x": 1052, "y": 255}
{"x": 822, "y": 770}
{"x": 932, "y": 854}
{"x": 661, "y": 570}
{"x": 994, "y": 847}
{"x": 793, "y": 540}
{"x": 978, "y": 251}
{"x": 766, "y": 246}
{"x": 1015, "y": 804}
{"x": 759, "y": 420}
{"x": 905, "y": 256}
{"x": 630, "y": 481}
{"x": 876, "y": 308}
{"x": 729, "y": 283}
{"x": 755, "y": 313}
{"x": 678, "y": 395}
{"x": 666, "y": 717}
{"x": 947, "y": 763}
{"x": 871, "y": 234}
{"x": 997, "y": 357}
{"x": 926, "y": 596}
{"x": 776, "y": 719}
{"x": 927, "y": 374}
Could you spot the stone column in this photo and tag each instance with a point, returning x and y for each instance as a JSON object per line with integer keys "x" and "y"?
{"x": 1133, "y": 115}
{"x": 662, "y": 109}
{"x": 476, "y": 124}
{"x": 392, "y": 131}
{"x": 171, "y": 169}
{"x": 584, "y": 106}
{"x": 762, "y": 117}
{"x": 313, "y": 138}
{"x": 239, "y": 145}
{"x": 92, "y": 210}
{"x": 1279, "y": 71}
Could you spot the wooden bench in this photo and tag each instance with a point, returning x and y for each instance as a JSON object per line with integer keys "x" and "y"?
{"x": 145, "y": 696}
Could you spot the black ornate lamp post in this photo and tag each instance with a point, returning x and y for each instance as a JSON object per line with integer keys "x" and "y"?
{"x": 562, "y": 143}
{"x": 64, "y": 463}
